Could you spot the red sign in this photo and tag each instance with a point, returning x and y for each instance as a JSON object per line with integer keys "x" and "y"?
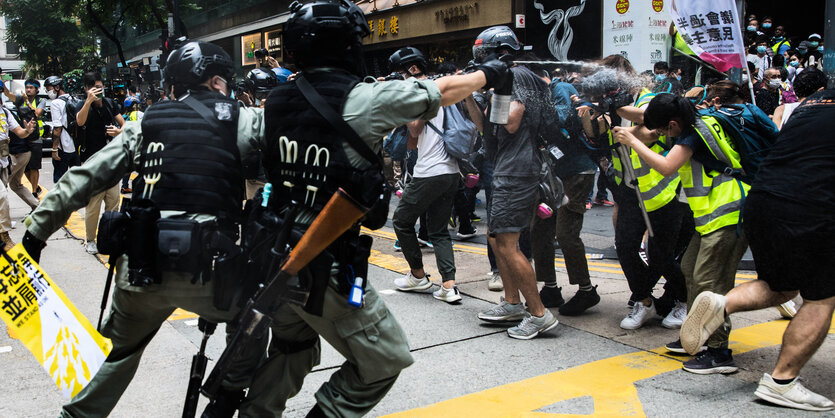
{"x": 622, "y": 6}
{"x": 658, "y": 5}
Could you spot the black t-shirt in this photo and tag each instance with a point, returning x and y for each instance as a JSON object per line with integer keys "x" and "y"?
{"x": 767, "y": 100}
{"x": 801, "y": 164}
{"x": 95, "y": 128}
{"x": 516, "y": 154}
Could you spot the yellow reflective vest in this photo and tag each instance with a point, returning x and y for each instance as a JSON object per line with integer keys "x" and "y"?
{"x": 715, "y": 198}
{"x": 656, "y": 190}
{"x": 34, "y": 106}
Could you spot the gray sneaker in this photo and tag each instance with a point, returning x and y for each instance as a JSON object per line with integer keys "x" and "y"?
{"x": 704, "y": 317}
{"x": 503, "y": 312}
{"x": 792, "y": 395}
{"x": 531, "y": 326}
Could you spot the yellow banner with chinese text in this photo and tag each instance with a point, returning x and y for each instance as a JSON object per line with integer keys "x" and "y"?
{"x": 38, "y": 313}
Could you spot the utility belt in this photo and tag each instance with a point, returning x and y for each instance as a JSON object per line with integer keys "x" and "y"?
{"x": 155, "y": 245}
{"x": 265, "y": 225}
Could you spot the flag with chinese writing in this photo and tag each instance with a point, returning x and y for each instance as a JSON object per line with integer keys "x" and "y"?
{"x": 711, "y": 30}
{"x": 38, "y": 313}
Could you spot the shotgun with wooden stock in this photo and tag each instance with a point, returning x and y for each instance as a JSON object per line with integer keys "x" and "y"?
{"x": 339, "y": 214}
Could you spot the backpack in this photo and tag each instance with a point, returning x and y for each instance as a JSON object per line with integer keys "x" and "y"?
{"x": 73, "y": 105}
{"x": 752, "y": 132}
{"x": 460, "y": 134}
{"x": 395, "y": 144}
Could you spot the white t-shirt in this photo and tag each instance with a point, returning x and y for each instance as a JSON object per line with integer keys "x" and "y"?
{"x": 59, "y": 118}
{"x": 432, "y": 158}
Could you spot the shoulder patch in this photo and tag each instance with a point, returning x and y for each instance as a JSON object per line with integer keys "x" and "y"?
{"x": 223, "y": 111}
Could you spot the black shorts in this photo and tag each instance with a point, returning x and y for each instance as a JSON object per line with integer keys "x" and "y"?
{"x": 792, "y": 250}
{"x": 37, "y": 155}
{"x": 513, "y": 203}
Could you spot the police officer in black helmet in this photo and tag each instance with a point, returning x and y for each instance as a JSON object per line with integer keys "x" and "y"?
{"x": 187, "y": 152}
{"x": 324, "y": 39}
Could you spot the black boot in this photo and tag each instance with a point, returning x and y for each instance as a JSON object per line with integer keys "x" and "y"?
{"x": 551, "y": 297}
{"x": 225, "y": 404}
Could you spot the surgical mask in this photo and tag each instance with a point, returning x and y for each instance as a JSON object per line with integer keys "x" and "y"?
{"x": 795, "y": 64}
{"x": 761, "y": 49}
{"x": 820, "y": 48}
{"x": 660, "y": 77}
{"x": 751, "y": 28}
{"x": 814, "y": 44}
{"x": 774, "y": 83}
{"x": 767, "y": 25}
{"x": 778, "y": 37}
{"x": 52, "y": 95}
{"x": 802, "y": 50}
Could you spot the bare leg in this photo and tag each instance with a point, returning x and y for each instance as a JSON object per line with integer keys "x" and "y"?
{"x": 517, "y": 273}
{"x": 803, "y": 336}
{"x": 754, "y": 295}
{"x": 511, "y": 291}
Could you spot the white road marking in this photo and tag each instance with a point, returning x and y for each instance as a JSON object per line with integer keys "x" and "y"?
{"x": 5, "y": 349}
{"x": 191, "y": 322}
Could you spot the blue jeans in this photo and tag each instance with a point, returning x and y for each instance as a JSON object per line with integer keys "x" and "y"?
{"x": 68, "y": 160}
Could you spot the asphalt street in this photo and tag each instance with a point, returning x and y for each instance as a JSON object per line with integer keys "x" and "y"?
{"x": 463, "y": 367}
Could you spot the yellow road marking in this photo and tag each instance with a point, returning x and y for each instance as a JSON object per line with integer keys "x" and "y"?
{"x": 181, "y": 314}
{"x": 610, "y": 382}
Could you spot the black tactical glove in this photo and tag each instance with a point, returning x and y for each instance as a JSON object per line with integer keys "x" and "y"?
{"x": 33, "y": 246}
{"x": 496, "y": 70}
{"x": 615, "y": 101}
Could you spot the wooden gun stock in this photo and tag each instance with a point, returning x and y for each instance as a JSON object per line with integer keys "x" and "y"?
{"x": 338, "y": 215}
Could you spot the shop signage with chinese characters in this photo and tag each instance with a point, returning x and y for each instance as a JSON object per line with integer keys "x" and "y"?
{"x": 249, "y": 44}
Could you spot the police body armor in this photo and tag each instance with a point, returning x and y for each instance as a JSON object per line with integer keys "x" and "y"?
{"x": 306, "y": 163}
{"x": 188, "y": 165}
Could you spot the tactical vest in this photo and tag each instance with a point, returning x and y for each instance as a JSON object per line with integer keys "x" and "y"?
{"x": 198, "y": 169}
{"x": 714, "y": 197}
{"x": 305, "y": 159}
{"x": 656, "y": 189}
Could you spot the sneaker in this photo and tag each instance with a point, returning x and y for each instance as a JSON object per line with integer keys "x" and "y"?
{"x": 410, "y": 283}
{"x": 639, "y": 315}
{"x": 711, "y": 361}
{"x": 787, "y": 310}
{"x": 676, "y": 347}
{"x": 603, "y": 202}
{"x": 705, "y": 316}
{"x": 424, "y": 243}
{"x": 397, "y": 246}
{"x": 447, "y": 295}
{"x": 588, "y": 205}
{"x": 466, "y": 234}
{"x": 551, "y": 297}
{"x": 642, "y": 254}
{"x": 475, "y": 218}
{"x": 792, "y": 395}
{"x": 503, "y": 312}
{"x": 581, "y": 301}
{"x": 91, "y": 247}
{"x": 676, "y": 316}
{"x": 495, "y": 284}
{"x": 531, "y": 326}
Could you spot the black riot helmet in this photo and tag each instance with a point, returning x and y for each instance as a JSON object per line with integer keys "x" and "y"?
{"x": 405, "y": 57}
{"x": 195, "y": 62}
{"x": 260, "y": 82}
{"x": 326, "y": 33}
{"x": 493, "y": 39}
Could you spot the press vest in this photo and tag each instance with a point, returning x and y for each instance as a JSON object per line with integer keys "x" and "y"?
{"x": 198, "y": 168}
{"x": 714, "y": 197}
{"x": 776, "y": 46}
{"x": 305, "y": 159}
{"x": 656, "y": 189}
{"x": 34, "y": 106}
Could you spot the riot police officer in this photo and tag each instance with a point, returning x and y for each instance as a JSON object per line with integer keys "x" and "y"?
{"x": 189, "y": 193}
{"x": 324, "y": 39}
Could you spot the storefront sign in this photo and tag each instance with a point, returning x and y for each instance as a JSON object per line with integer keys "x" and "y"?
{"x": 250, "y": 43}
{"x": 274, "y": 43}
{"x": 639, "y": 31}
{"x": 520, "y": 21}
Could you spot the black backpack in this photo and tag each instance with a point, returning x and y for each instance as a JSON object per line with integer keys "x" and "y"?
{"x": 73, "y": 105}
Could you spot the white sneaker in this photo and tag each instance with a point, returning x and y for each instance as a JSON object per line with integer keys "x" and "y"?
{"x": 91, "y": 247}
{"x": 447, "y": 295}
{"x": 787, "y": 310}
{"x": 410, "y": 283}
{"x": 495, "y": 284}
{"x": 675, "y": 318}
{"x": 638, "y": 316}
{"x": 792, "y": 395}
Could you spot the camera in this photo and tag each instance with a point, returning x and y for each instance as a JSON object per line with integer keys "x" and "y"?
{"x": 261, "y": 53}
